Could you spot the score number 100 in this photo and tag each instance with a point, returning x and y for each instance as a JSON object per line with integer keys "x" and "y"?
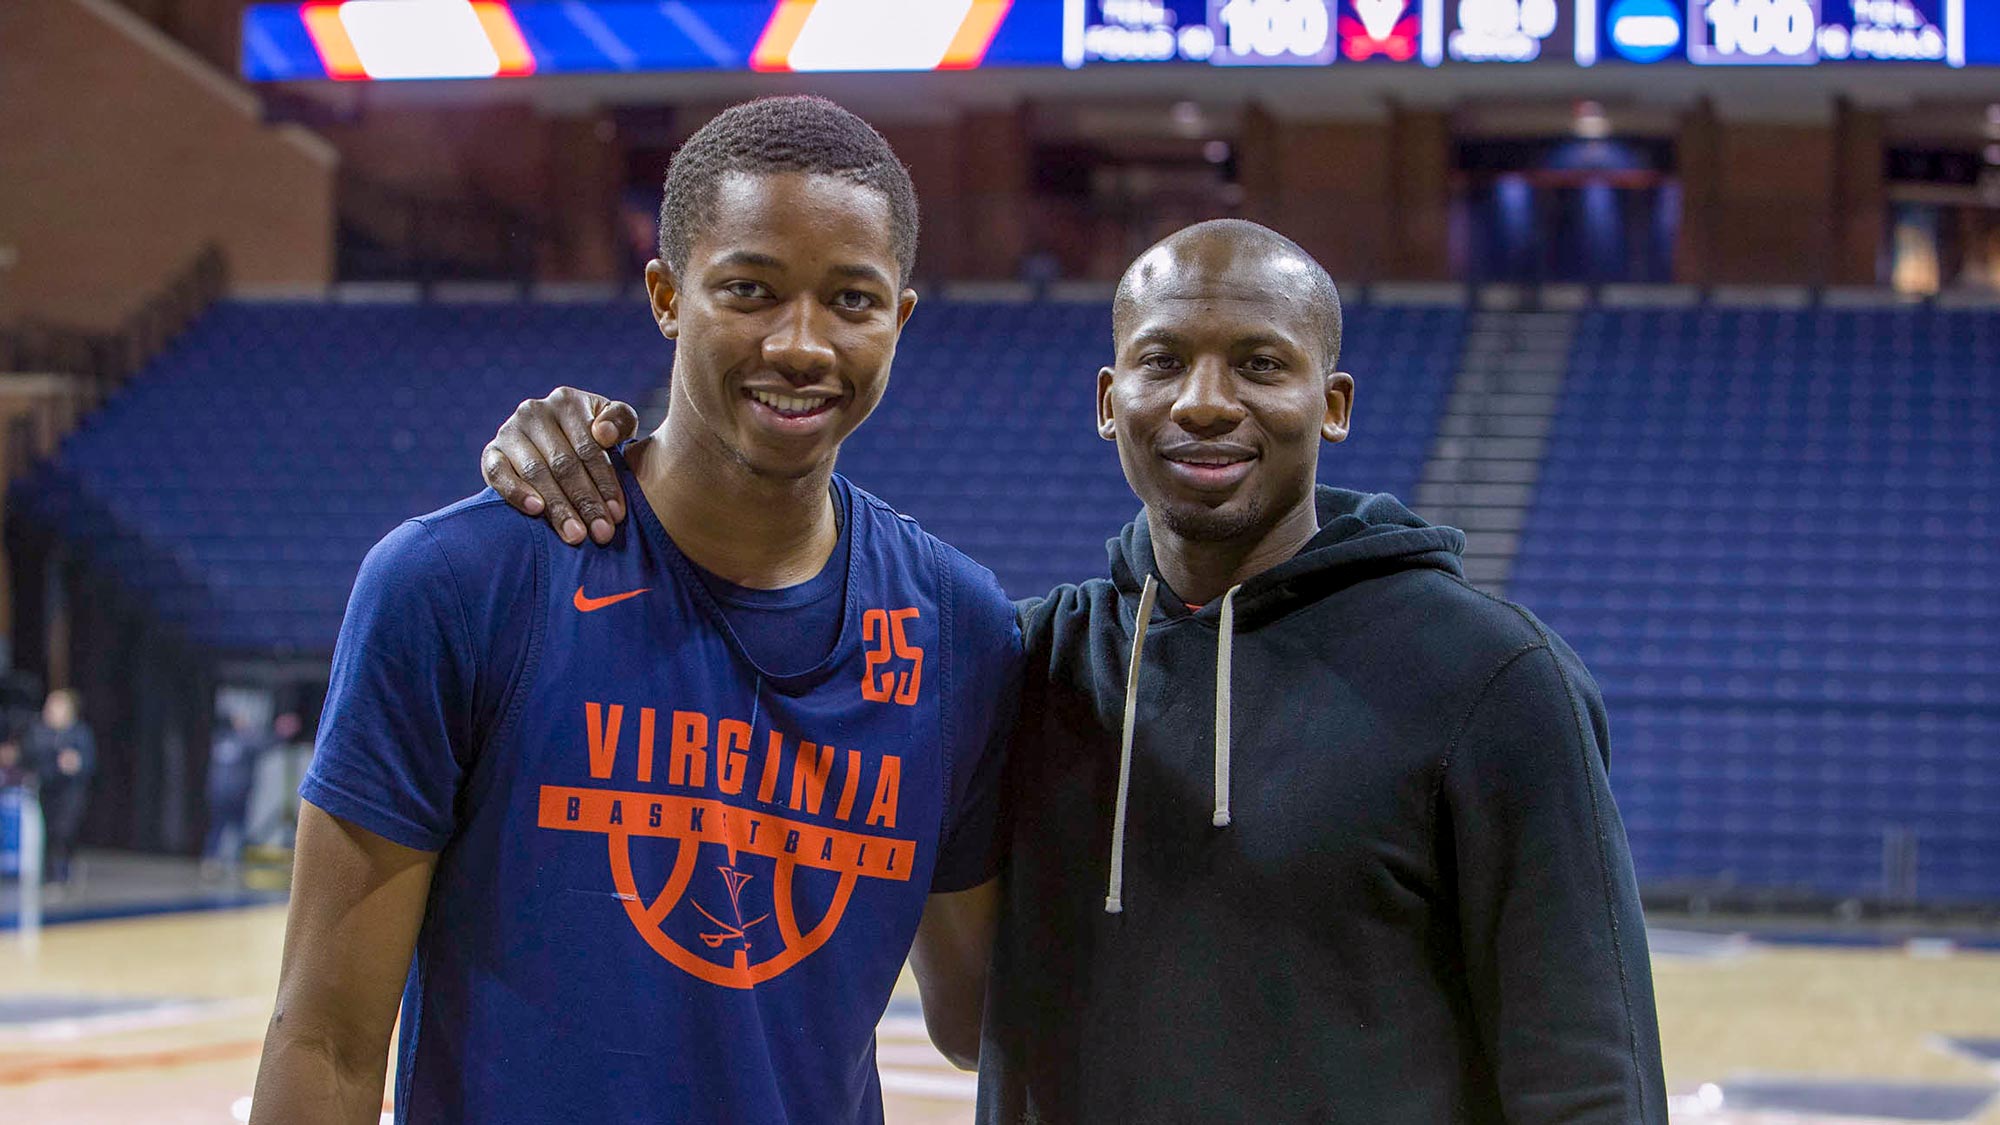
{"x": 1273, "y": 31}
{"x": 1758, "y": 30}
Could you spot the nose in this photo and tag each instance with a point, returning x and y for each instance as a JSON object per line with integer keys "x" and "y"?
{"x": 1206, "y": 405}
{"x": 798, "y": 347}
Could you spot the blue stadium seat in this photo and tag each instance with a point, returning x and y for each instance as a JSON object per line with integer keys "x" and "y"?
{"x": 1772, "y": 536}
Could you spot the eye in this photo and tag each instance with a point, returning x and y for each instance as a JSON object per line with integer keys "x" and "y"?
{"x": 1164, "y": 363}
{"x": 855, "y": 300}
{"x": 1263, "y": 365}
{"x": 747, "y": 290}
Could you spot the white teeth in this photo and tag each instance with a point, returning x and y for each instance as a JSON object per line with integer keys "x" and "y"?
{"x": 786, "y": 404}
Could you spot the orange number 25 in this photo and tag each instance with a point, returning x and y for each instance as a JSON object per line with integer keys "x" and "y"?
{"x": 882, "y": 631}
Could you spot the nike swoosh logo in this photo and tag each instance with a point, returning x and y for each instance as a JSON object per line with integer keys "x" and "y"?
{"x": 591, "y": 605}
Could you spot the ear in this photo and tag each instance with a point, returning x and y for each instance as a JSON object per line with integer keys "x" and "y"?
{"x": 905, "y": 305}
{"x": 1339, "y": 406}
{"x": 665, "y": 296}
{"x": 1105, "y": 428}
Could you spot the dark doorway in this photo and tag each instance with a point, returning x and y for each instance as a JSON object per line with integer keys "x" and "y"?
{"x": 1571, "y": 210}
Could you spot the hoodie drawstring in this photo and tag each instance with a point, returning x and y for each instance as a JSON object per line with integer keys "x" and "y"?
{"x": 1223, "y": 644}
{"x": 1114, "y": 899}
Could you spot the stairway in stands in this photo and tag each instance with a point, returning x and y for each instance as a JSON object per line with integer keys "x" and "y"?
{"x": 1488, "y": 451}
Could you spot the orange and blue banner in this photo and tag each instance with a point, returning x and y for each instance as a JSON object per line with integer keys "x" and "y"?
{"x": 359, "y": 40}
{"x": 353, "y": 40}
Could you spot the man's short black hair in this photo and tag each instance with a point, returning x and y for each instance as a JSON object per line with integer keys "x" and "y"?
{"x": 788, "y": 134}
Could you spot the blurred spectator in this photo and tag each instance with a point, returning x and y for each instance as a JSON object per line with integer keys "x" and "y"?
{"x": 274, "y": 793}
{"x": 62, "y": 753}
{"x": 232, "y": 766}
{"x": 13, "y": 765}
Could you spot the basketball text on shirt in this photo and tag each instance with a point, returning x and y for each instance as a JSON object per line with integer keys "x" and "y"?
{"x": 709, "y": 783}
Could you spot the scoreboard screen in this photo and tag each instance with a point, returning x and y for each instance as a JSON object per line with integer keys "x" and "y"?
{"x": 348, "y": 40}
{"x": 1780, "y": 32}
{"x": 1313, "y": 32}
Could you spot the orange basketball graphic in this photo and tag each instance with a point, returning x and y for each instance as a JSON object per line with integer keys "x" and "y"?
{"x": 692, "y": 822}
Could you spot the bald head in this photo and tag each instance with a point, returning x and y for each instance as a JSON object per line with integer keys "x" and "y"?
{"x": 1234, "y": 257}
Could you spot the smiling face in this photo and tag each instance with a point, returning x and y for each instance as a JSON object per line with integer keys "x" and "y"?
{"x": 786, "y": 317}
{"x": 1221, "y": 390}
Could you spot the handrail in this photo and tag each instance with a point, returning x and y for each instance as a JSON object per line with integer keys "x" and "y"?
{"x": 98, "y": 363}
{"x": 104, "y": 360}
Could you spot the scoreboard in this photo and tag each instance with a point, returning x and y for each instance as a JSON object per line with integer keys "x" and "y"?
{"x": 380, "y": 39}
{"x": 1786, "y": 32}
{"x": 1585, "y": 32}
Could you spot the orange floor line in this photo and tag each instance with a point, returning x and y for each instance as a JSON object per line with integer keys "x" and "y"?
{"x": 76, "y": 1065}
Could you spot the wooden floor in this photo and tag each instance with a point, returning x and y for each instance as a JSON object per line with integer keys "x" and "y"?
{"x": 1727, "y": 1010}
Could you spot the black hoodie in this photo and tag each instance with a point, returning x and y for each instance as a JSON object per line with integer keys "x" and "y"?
{"x": 1389, "y": 886}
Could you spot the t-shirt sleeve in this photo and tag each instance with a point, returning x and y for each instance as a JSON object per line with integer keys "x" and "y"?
{"x": 394, "y": 741}
{"x": 988, "y": 662}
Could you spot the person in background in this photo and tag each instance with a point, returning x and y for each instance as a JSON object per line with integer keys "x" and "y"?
{"x": 274, "y": 800}
{"x": 13, "y": 782}
{"x": 232, "y": 765}
{"x": 13, "y": 766}
{"x": 62, "y": 752}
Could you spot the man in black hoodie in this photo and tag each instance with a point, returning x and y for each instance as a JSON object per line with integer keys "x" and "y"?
{"x": 1302, "y": 827}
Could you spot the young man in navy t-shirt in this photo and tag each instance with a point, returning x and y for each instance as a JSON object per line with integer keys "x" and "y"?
{"x": 646, "y": 833}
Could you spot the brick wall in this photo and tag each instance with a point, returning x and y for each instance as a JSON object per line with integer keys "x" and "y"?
{"x": 122, "y": 153}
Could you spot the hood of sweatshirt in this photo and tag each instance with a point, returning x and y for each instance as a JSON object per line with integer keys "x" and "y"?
{"x": 1361, "y": 536}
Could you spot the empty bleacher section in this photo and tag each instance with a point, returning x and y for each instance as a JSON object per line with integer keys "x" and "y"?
{"x": 240, "y": 480}
{"x": 242, "y": 477}
{"x": 1772, "y": 535}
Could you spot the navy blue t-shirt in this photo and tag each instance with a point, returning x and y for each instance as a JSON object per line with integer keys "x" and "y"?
{"x": 672, "y": 884}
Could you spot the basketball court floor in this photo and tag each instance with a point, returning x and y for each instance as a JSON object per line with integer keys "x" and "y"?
{"x": 159, "y": 1018}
